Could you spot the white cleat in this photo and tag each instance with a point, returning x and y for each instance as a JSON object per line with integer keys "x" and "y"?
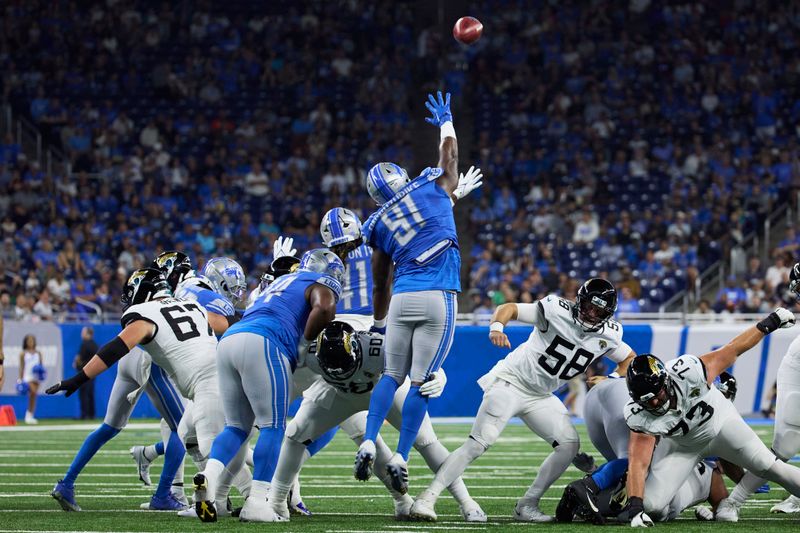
{"x": 402, "y": 508}
{"x": 472, "y": 512}
{"x": 362, "y": 470}
{"x": 790, "y": 505}
{"x": 424, "y": 507}
{"x": 281, "y": 509}
{"x": 29, "y": 418}
{"x": 727, "y": 511}
{"x": 259, "y": 512}
{"x": 703, "y": 513}
{"x": 397, "y": 468}
{"x": 525, "y": 512}
{"x": 142, "y": 464}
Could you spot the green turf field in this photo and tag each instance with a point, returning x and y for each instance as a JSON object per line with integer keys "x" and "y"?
{"x": 110, "y": 493}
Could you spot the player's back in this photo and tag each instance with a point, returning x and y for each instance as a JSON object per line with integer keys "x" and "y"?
{"x": 194, "y": 289}
{"x": 558, "y": 352}
{"x": 183, "y": 344}
{"x": 357, "y": 287}
{"x": 281, "y": 312}
{"x": 416, "y": 228}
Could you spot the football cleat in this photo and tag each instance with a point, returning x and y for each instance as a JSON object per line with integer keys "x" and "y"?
{"x": 296, "y": 505}
{"x": 727, "y": 511}
{"x": 170, "y": 503}
{"x": 397, "y": 468}
{"x": 524, "y": 512}
{"x": 424, "y": 508}
{"x": 402, "y": 508}
{"x": 65, "y": 496}
{"x": 30, "y": 419}
{"x": 142, "y": 464}
{"x": 790, "y": 505}
{"x": 260, "y": 511}
{"x": 204, "y": 507}
{"x": 281, "y": 509}
{"x": 583, "y": 493}
{"x": 474, "y": 514}
{"x": 362, "y": 470}
{"x": 763, "y": 489}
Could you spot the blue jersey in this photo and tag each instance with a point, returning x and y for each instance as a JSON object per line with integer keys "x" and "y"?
{"x": 210, "y": 300}
{"x": 357, "y": 288}
{"x": 281, "y": 312}
{"x": 417, "y": 230}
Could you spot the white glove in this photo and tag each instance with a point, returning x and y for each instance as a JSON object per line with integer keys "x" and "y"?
{"x": 786, "y": 316}
{"x": 434, "y": 387}
{"x": 282, "y": 247}
{"x": 468, "y": 182}
{"x": 641, "y": 520}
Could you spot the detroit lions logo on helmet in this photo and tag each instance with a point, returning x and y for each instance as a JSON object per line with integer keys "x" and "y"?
{"x": 384, "y": 180}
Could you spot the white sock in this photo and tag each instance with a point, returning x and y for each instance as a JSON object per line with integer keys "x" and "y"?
{"x": 289, "y": 463}
{"x": 259, "y": 491}
{"x": 454, "y": 466}
{"x": 213, "y": 471}
{"x": 552, "y": 468}
{"x": 745, "y": 488}
{"x": 226, "y": 479}
{"x": 243, "y": 481}
{"x": 435, "y": 454}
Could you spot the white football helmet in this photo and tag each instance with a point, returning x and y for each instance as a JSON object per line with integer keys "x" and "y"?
{"x": 339, "y": 226}
{"x": 384, "y": 180}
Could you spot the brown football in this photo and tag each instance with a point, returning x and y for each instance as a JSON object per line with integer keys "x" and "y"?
{"x": 467, "y": 30}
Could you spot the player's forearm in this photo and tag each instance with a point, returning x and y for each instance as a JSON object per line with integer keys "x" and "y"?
{"x": 94, "y": 367}
{"x": 744, "y": 342}
{"x": 622, "y": 366}
{"x": 218, "y": 323}
{"x": 448, "y": 160}
{"x": 505, "y": 313}
{"x": 640, "y": 453}
{"x": 320, "y": 316}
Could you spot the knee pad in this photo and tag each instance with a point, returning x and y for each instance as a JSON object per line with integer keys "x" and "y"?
{"x": 792, "y": 416}
{"x": 355, "y": 427}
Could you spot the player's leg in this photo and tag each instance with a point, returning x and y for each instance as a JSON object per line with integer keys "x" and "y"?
{"x": 670, "y": 467}
{"x": 500, "y": 402}
{"x": 117, "y": 415}
{"x": 397, "y": 363}
{"x": 33, "y": 393}
{"x": 739, "y": 444}
{"x": 435, "y": 454}
{"x": 239, "y": 418}
{"x": 548, "y": 418}
{"x": 694, "y": 490}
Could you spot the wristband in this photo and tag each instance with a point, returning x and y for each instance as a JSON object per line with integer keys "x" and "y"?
{"x": 380, "y": 323}
{"x": 769, "y": 324}
{"x": 496, "y": 326}
{"x": 447, "y": 130}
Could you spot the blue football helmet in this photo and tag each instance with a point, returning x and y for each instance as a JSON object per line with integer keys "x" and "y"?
{"x": 323, "y": 261}
{"x": 227, "y": 278}
{"x": 384, "y": 180}
{"x": 339, "y": 226}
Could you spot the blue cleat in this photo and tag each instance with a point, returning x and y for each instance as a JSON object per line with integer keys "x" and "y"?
{"x": 65, "y": 496}
{"x": 169, "y": 503}
{"x": 763, "y": 489}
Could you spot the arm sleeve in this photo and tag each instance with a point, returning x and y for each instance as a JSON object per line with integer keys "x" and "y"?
{"x": 620, "y": 353}
{"x": 533, "y": 314}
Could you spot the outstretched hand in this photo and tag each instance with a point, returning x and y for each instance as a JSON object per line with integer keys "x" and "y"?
{"x": 440, "y": 109}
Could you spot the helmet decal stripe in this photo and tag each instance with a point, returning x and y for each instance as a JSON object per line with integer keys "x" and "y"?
{"x": 380, "y": 183}
{"x": 336, "y": 225}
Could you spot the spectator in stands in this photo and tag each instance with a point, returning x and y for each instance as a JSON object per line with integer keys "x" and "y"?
{"x": 777, "y": 274}
{"x": 627, "y": 303}
{"x": 586, "y": 230}
{"x": 43, "y": 308}
{"x": 59, "y": 288}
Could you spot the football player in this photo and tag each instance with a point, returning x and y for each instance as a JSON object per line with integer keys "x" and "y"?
{"x": 786, "y": 438}
{"x": 677, "y": 402}
{"x": 566, "y": 339}
{"x": 416, "y": 276}
{"x": 177, "y": 336}
{"x": 256, "y": 359}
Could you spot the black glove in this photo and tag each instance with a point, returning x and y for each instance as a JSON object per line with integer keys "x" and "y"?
{"x": 635, "y": 506}
{"x": 69, "y": 385}
{"x": 780, "y": 318}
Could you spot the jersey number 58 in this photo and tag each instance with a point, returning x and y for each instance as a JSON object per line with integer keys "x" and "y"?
{"x": 557, "y": 354}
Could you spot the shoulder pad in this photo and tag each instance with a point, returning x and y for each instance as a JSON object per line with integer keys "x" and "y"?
{"x": 332, "y": 284}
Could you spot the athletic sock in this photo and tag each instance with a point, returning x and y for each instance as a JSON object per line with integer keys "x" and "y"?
{"x": 322, "y": 441}
{"x": 291, "y": 459}
{"x": 227, "y": 443}
{"x": 745, "y": 488}
{"x": 454, "y": 466}
{"x": 379, "y": 405}
{"x": 173, "y": 459}
{"x": 610, "y": 473}
{"x": 265, "y": 455}
{"x": 552, "y": 468}
{"x": 414, "y": 410}
{"x": 89, "y": 448}
{"x": 213, "y": 470}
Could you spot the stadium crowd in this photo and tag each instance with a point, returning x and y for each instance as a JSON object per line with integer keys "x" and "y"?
{"x": 631, "y": 140}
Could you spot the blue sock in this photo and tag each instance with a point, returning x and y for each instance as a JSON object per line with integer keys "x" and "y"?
{"x": 379, "y": 405}
{"x": 160, "y": 447}
{"x": 172, "y": 460}
{"x": 227, "y": 444}
{"x": 414, "y": 409}
{"x": 322, "y": 441}
{"x": 611, "y": 472}
{"x": 91, "y": 445}
{"x": 265, "y": 454}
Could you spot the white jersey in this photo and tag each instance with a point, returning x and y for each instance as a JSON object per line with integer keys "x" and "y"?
{"x": 558, "y": 349}
{"x": 792, "y": 357}
{"x": 183, "y": 345}
{"x": 700, "y": 410}
{"x": 369, "y": 367}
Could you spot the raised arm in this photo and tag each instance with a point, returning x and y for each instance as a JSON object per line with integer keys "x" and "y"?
{"x": 720, "y": 359}
{"x": 448, "y": 147}
{"x": 136, "y": 332}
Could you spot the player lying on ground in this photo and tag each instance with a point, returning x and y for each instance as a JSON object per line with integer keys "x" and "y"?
{"x": 678, "y": 403}
{"x": 566, "y": 339}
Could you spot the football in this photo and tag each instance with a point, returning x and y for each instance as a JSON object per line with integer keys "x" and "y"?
{"x": 467, "y": 30}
